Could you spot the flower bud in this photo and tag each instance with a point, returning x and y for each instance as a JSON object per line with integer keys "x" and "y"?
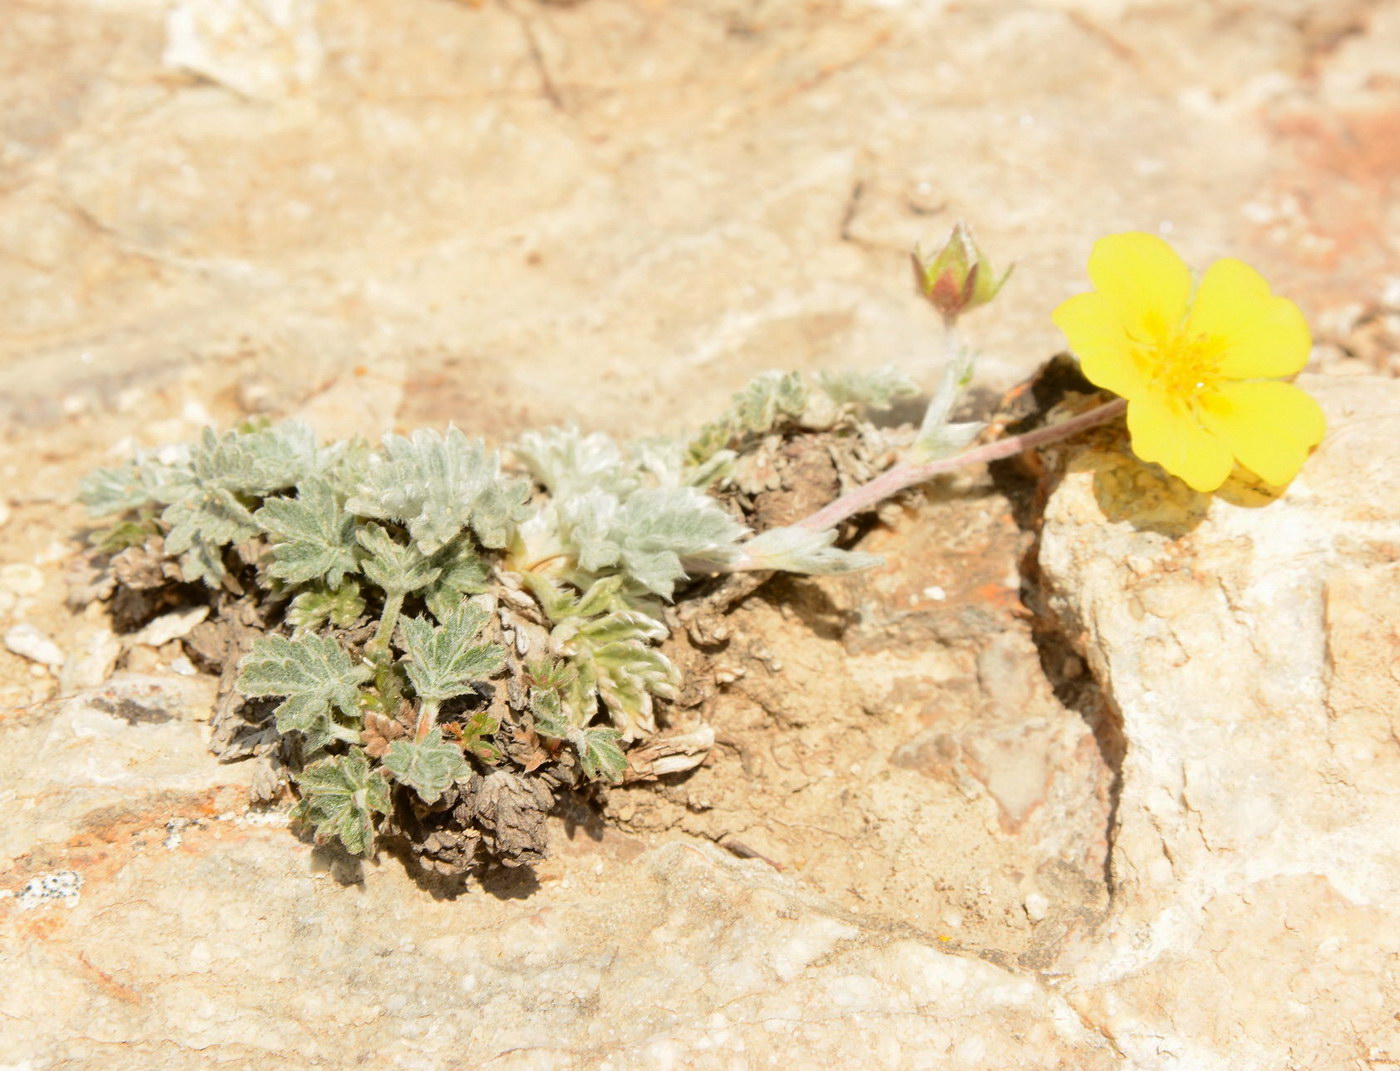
{"x": 956, "y": 278}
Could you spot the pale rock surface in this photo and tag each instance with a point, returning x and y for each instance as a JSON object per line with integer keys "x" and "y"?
{"x": 28, "y": 642}
{"x": 257, "y": 48}
{"x": 93, "y": 654}
{"x": 1249, "y": 648}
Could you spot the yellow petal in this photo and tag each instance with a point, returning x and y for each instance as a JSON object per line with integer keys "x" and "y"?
{"x": 1261, "y": 335}
{"x": 1172, "y": 438}
{"x": 1143, "y": 280}
{"x": 1269, "y": 426}
{"x": 1104, "y": 350}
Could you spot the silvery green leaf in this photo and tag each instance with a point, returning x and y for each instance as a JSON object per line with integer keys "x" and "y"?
{"x": 599, "y": 753}
{"x": 318, "y": 605}
{"x": 251, "y": 463}
{"x": 937, "y": 437}
{"x": 877, "y": 388}
{"x": 587, "y": 521}
{"x": 801, "y": 550}
{"x": 667, "y": 463}
{"x": 428, "y": 766}
{"x": 547, "y": 709}
{"x": 664, "y": 530}
{"x": 464, "y": 572}
{"x": 313, "y": 538}
{"x": 438, "y": 484}
{"x": 653, "y": 536}
{"x": 768, "y": 400}
{"x": 614, "y": 661}
{"x": 316, "y": 677}
{"x": 125, "y": 487}
{"x": 207, "y": 498}
{"x": 200, "y": 526}
{"x": 397, "y": 569}
{"x": 947, "y": 440}
{"x": 771, "y": 399}
{"x": 339, "y": 797}
{"x": 567, "y": 462}
{"x": 443, "y": 662}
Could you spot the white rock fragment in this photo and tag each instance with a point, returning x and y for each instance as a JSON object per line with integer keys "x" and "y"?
{"x": 4, "y": 512}
{"x": 172, "y": 626}
{"x": 21, "y": 579}
{"x": 28, "y": 642}
{"x": 91, "y": 661}
{"x": 258, "y": 48}
{"x": 1037, "y": 906}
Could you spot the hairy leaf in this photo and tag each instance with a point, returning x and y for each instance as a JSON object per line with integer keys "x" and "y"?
{"x": 937, "y": 436}
{"x": 316, "y": 677}
{"x": 770, "y": 400}
{"x": 397, "y": 569}
{"x": 207, "y": 499}
{"x": 616, "y": 662}
{"x": 653, "y": 537}
{"x": 464, "y": 572}
{"x": 339, "y": 797}
{"x": 313, "y": 538}
{"x": 600, "y": 753}
{"x": 443, "y": 662}
{"x": 126, "y": 487}
{"x": 801, "y": 550}
{"x": 877, "y": 388}
{"x": 428, "y": 766}
{"x": 567, "y": 462}
{"x": 549, "y": 682}
{"x": 475, "y": 734}
{"x": 201, "y": 525}
{"x": 318, "y": 605}
{"x": 438, "y": 484}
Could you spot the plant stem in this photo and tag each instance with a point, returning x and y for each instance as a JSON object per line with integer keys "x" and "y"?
{"x": 427, "y": 718}
{"x": 958, "y": 361}
{"x": 393, "y": 603}
{"x": 909, "y": 474}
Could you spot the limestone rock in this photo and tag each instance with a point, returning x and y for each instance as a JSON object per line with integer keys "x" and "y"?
{"x": 1247, "y": 647}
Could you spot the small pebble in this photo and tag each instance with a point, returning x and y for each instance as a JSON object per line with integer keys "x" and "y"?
{"x": 170, "y": 626}
{"x": 1037, "y": 907}
{"x": 4, "y": 511}
{"x": 21, "y": 579}
{"x": 28, "y": 642}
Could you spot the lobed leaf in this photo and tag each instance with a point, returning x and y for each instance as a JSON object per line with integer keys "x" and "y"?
{"x": 313, "y": 537}
{"x": 397, "y": 569}
{"x": 428, "y": 766}
{"x": 444, "y": 662}
{"x": 341, "y": 607}
{"x": 339, "y": 798}
{"x": 877, "y": 388}
{"x": 315, "y": 677}
{"x": 463, "y": 573}
{"x": 438, "y": 484}
{"x": 600, "y": 753}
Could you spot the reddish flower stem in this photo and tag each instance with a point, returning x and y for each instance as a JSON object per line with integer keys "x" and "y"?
{"x": 910, "y": 474}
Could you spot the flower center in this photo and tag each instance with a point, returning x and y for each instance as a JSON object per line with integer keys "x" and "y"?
{"x": 1181, "y": 367}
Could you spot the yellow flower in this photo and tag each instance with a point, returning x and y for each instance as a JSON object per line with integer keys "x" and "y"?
{"x": 1201, "y": 372}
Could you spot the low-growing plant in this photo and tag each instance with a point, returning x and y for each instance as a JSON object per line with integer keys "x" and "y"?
{"x": 429, "y": 639}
